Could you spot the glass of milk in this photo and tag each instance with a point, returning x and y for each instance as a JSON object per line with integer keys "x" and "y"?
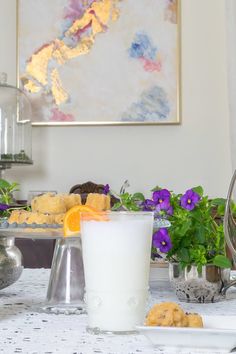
{"x": 116, "y": 256}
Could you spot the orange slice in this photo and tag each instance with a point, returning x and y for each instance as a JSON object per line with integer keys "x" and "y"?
{"x": 71, "y": 224}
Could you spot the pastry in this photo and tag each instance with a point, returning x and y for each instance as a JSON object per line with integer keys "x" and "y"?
{"x": 38, "y": 218}
{"x": 194, "y": 320}
{"x": 100, "y": 202}
{"x": 49, "y": 208}
{"x": 15, "y": 216}
{"x": 71, "y": 200}
{"x": 23, "y": 216}
{"x": 168, "y": 314}
{"x": 58, "y": 219}
{"x": 49, "y": 203}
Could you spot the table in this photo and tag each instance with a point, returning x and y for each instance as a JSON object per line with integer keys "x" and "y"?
{"x": 26, "y": 330}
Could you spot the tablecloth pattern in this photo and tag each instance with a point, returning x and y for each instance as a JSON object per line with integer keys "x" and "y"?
{"x": 25, "y": 329}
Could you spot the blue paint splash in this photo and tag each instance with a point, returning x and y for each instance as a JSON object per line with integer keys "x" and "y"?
{"x": 142, "y": 47}
{"x": 153, "y": 106}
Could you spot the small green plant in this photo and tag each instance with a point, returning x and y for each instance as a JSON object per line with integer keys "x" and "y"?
{"x": 194, "y": 236}
{"x": 6, "y": 191}
{"x": 127, "y": 201}
{"x": 6, "y": 196}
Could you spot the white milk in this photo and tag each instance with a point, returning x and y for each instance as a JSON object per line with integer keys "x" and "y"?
{"x": 116, "y": 256}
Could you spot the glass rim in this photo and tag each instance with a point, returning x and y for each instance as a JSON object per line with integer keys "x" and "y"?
{"x": 121, "y": 212}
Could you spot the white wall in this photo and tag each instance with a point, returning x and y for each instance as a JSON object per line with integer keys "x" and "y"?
{"x": 178, "y": 157}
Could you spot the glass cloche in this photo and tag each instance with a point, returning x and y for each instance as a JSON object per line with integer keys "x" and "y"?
{"x": 15, "y": 126}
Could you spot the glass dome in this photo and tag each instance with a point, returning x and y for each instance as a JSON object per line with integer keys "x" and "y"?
{"x": 15, "y": 126}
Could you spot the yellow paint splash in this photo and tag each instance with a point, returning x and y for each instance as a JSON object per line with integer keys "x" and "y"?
{"x": 30, "y": 86}
{"x": 59, "y": 94}
{"x": 63, "y": 53}
{"x": 37, "y": 67}
{"x": 98, "y": 16}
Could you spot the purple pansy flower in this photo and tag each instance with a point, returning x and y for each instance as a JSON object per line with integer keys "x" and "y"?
{"x": 106, "y": 189}
{"x": 165, "y": 205}
{"x": 148, "y": 205}
{"x": 170, "y": 210}
{"x": 161, "y": 196}
{"x": 189, "y": 199}
{"x": 161, "y": 239}
{"x": 3, "y": 207}
{"x": 162, "y": 200}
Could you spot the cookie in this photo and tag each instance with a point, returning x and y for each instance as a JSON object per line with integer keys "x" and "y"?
{"x": 167, "y": 314}
{"x": 194, "y": 320}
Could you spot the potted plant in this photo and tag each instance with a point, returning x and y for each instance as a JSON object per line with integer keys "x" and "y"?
{"x": 6, "y": 197}
{"x": 10, "y": 256}
{"x": 193, "y": 244}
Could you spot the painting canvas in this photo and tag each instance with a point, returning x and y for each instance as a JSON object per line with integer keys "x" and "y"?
{"x": 100, "y": 61}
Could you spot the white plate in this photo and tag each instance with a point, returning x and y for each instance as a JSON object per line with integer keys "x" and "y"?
{"x": 218, "y": 334}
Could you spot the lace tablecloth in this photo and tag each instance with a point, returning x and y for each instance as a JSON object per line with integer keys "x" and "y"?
{"x": 24, "y": 329}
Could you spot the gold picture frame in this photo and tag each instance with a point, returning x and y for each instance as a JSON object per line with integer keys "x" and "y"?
{"x": 36, "y": 89}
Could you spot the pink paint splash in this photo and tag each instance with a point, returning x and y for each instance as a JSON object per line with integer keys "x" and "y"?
{"x": 150, "y": 65}
{"x": 58, "y": 116}
{"x": 76, "y": 8}
{"x": 80, "y": 31}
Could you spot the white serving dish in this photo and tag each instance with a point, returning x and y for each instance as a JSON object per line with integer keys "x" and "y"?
{"x": 218, "y": 335}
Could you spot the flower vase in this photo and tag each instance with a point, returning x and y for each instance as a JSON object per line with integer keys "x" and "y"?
{"x": 11, "y": 263}
{"x": 192, "y": 285}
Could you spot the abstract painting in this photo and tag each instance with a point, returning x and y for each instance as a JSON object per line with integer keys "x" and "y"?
{"x": 85, "y": 62}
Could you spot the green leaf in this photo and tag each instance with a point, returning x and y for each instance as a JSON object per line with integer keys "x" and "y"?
{"x": 222, "y": 261}
{"x": 133, "y": 207}
{"x": 116, "y": 206}
{"x": 186, "y": 242}
{"x": 138, "y": 196}
{"x": 184, "y": 228}
{"x": 198, "y": 190}
{"x": 233, "y": 208}
{"x": 200, "y": 234}
{"x": 221, "y": 210}
{"x": 4, "y": 184}
{"x": 218, "y": 201}
{"x": 157, "y": 188}
{"x": 184, "y": 255}
{"x": 125, "y": 196}
{"x": 14, "y": 185}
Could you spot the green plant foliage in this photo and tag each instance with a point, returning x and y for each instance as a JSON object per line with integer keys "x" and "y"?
{"x": 6, "y": 196}
{"x": 196, "y": 235}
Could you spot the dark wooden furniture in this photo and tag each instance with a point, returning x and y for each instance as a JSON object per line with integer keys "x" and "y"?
{"x": 90, "y": 187}
{"x": 36, "y": 253}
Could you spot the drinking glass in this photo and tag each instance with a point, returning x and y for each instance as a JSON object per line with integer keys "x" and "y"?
{"x": 116, "y": 255}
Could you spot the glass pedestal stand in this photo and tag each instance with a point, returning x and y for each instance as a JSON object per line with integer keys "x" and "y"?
{"x": 66, "y": 284}
{"x": 66, "y": 287}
